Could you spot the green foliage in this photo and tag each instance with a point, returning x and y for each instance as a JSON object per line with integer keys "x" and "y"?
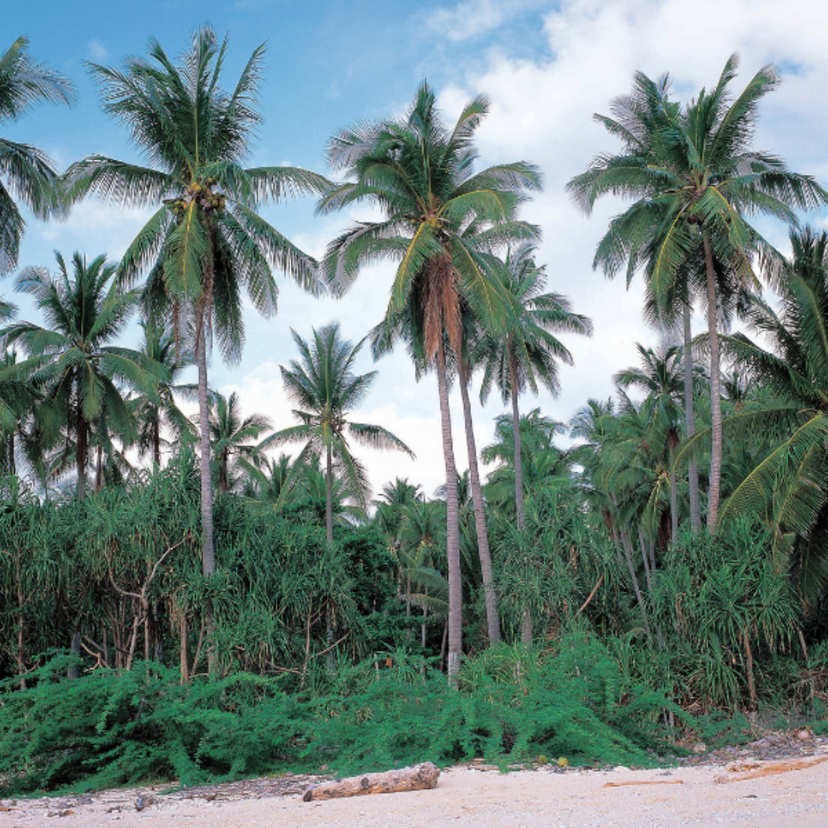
{"x": 112, "y": 728}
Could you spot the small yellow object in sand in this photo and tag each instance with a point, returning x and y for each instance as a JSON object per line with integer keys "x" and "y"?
{"x": 563, "y": 762}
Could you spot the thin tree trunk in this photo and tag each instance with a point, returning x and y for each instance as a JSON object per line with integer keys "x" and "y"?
{"x": 625, "y": 541}
{"x": 80, "y": 453}
{"x": 12, "y": 459}
{"x": 99, "y": 470}
{"x": 223, "y": 484}
{"x": 690, "y": 424}
{"x": 521, "y": 514}
{"x": 526, "y": 631}
{"x": 492, "y": 619}
{"x": 329, "y": 496}
{"x": 21, "y": 624}
{"x": 182, "y": 650}
{"x": 455, "y": 619}
{"x": 156, "y": 442}
{"x": 749, "y": 664}
{"x": 674, "y": 520}
{"x": 715, "y": 392}
{"x": 646, "y": 559}
{"x": 208, "y": 556}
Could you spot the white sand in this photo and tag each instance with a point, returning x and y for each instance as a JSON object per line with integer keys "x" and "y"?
{"x": 483, "y": 799}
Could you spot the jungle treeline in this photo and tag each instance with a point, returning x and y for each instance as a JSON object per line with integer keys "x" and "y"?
{"x": 178, "y": 598}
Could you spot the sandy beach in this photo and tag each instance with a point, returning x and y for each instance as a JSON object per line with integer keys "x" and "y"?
{"x": 466, "y": 796}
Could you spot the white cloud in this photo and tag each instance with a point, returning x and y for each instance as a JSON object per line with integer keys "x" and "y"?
{"x": 97, "y": 51}
{"x": 542, "y": 112}
{"x": 477, "y": 17}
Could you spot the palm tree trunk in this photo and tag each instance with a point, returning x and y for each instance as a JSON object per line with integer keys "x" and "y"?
{"x": 526, "y": 631}
{"x": 99, "y": 470}
{"x": 329, "y": 495}
{"x": 455, "y": 619}
{"x": 521, "y": 514}
{"x": 156, "y": 442}
{"x": 208, "y": 556}
{"x": 715, "y": 392}
{"x": 223, "y": 472}
{"x": 80, "y": 453}
{"x": 690, "y": 424}
{"x": 674, "y": 521}
{"x": 625, "y": 541}
{"x": 492, "y": 619}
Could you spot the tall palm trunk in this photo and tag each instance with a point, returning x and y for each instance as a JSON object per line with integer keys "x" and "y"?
{"x": 690, "y": 424}
{"x": 81, "y": 450}
{"x": 156, "y": 442}
{"x": 492, "y": 620}
{"x": 672, "y": 442}
{"x": 513, "y": 382}
{"x": 99, "y": 470}
{"x": 329, "y": 496}
{"x": 208, "y": 557}
{"x": 527, "y": 633}
{"x": 223, "y": 482}
{"x": 455, "y": 619}
{"x": 715, "y": 392}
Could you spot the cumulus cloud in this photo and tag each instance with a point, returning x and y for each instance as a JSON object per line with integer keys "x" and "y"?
{"x": 477, "y": 17}
{"x": 97, "y": 51}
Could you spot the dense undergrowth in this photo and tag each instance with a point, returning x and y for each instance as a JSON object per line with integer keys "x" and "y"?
{"x": 113, "y": 728}
{"x": 334, "y": 655}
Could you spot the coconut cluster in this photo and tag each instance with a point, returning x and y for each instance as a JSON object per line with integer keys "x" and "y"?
{"x": 200, "y": 193}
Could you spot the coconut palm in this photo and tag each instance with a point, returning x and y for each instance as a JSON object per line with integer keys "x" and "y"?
{"x": 70, "y": 358}
{"x": 230, "y": 436}
{"x": 436, "y": 214}
{"x": 323, "y": 383}
{"x": 25, "y": 172}
{"x": 525, "y": 353}
{"x": 267, "y": 480}
{"x": 160, "y": 411}
{"x": 789, "y": 485}
{"x": 660, "y": 377}
{"x": 695, "y": 183}
{"x": 205, "y": 243}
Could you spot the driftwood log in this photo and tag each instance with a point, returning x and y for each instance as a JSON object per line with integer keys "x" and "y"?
{"x": 770, "y": 769}
{"x": 416, "y": 778}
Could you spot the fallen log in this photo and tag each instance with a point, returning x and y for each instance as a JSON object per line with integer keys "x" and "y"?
{"x": 416, "y": 778}
{"x": 644, "y": 782}
{"x": 772, "y": 769}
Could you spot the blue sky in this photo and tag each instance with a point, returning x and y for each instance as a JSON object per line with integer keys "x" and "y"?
{"x": 547, "y": 66}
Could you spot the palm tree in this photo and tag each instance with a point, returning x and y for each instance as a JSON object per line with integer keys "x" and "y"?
{"x": 789, "y": 485}
{"x": 71, "y": 359}
{"x": 526, "y": 353}
{"x": 230, "y": 435}
{"x": 268, "y": 480}
{"x": 25, "y": 172}
{"x": 695, "y": 181}
{"x": 324, "y": 385}
{"x": 159, "y": 411}
{"x": 18, "y": 398}
{"x": 205, "y": 244}
{"x": 659, "y": 376}
{"x": 390, "y": 504}
{"x": 420, "y": 174}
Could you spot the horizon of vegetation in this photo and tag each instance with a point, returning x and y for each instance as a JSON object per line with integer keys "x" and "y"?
{"x": 673, "y": 560}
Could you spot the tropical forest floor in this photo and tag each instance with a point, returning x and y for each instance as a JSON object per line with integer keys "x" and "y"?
{"x": 777, "y": 781}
